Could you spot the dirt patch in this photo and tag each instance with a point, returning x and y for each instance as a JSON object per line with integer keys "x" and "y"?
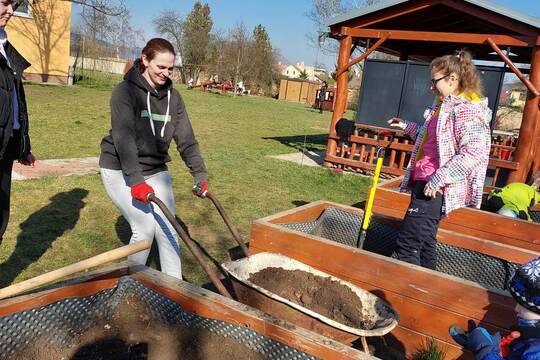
{"x": 319, "y": 294}
{"x": 133, "y": 334}
{"x": 60, "y": 167}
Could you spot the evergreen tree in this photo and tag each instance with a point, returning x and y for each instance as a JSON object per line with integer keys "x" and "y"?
{"x": 198, "y": 25}
{"x": 263, "y": 57}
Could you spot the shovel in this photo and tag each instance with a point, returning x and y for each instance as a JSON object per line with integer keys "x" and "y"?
{"x": 190, "y": 245}
{"x": 228, "y": 222}
{"x": 380, "y": 152}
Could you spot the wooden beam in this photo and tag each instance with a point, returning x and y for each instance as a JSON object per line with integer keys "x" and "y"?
{"x": 498, "y": 19}
{"x": 387, "y": 14}
{"x": 363, "y": 56}
{"x": 463, "y": 38}
{"x": 525, "y": 148}
{"x": 362, "y": 165}
{"x": 468, "y": 221}
{"x": 340, "y": 100}
{"x": 511, "y": 65}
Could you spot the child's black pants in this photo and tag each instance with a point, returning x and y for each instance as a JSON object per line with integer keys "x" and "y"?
{"x": 416, "y": 242}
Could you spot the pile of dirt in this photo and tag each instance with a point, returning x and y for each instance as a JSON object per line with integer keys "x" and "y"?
{"x": 132, "y": 334}
{"x": 322, "y": 295}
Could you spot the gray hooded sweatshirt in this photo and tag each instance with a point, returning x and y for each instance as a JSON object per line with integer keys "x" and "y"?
{"x": 144, "y": 121}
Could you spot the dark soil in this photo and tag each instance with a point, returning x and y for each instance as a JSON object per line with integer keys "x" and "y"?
{"x": 319, "y": 294}
{"x": 133, "y": 335}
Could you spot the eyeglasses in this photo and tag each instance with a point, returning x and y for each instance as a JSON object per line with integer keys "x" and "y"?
{"x": 435, "y": 81}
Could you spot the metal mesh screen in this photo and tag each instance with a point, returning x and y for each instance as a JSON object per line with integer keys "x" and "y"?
{"x": 60, "y": 322}
{"x": 535, "y": 215}
{"x": 343, "y": 227}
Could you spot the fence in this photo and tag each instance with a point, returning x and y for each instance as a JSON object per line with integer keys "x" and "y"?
{"x": 113, "y": 66}
{"x": 298, "y": 91}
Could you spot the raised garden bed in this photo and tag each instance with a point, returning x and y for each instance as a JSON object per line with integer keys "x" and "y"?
{"x": 127, "y": 312}
{"x": 418, "y": 294}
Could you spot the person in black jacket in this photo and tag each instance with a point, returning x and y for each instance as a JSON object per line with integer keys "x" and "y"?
{"x": 322, "y": 96}
{"x": 147, "y": 113}
{"x": 14, "y": 139}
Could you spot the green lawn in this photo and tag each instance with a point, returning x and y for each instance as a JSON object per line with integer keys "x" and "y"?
{"x": 58, "y": 221}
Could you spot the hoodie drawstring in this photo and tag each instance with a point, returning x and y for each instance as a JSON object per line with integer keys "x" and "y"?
{"x": 149, "y": 109}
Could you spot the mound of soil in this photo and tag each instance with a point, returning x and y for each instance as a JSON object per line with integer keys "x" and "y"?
{"x": 132, "y": 334}
{"x": 319, "y": 294}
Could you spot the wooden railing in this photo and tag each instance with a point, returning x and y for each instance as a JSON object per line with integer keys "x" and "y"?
{"x": 357, "y": 153}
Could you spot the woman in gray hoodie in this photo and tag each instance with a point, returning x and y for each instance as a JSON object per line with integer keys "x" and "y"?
{"x": 146, "y": 114}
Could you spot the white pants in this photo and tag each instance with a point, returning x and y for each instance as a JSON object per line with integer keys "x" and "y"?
{"x": 147, "y": 221}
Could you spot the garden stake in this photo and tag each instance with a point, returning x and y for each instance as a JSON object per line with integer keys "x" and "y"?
{"x": 380, "y": 152}
{"x": 228, "y": 222}
{"x": 190, "y": 245}
{"x": 83, "y": 265}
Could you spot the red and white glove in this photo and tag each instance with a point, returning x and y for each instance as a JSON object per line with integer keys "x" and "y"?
{"x": 397, "y": 123}
{"x": 201, "y": 188}
{"x": 141, "y": 191}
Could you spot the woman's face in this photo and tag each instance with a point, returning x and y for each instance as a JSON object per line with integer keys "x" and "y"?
{"x": 6, "y": 10}
{"x": 444, "y": 84}
{"x": 159, "y": 69}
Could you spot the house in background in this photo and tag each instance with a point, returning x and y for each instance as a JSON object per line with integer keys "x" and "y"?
{"x": 294, "y": 71}
{"x": 513, "y": 94}
{"x": 41, "y": 33}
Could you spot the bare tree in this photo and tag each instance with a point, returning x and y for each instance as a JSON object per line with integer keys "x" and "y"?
{"x": 101, "y": 35}
{"x": 322, "y": 11}
{"x": 123, "y": 36}
{"x": 106, "y": 7}
{"x": 230, "y": 55}
{"x": 171, "y": 25}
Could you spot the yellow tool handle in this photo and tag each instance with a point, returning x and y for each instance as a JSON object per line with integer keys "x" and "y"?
{"x": 367, "y": 214}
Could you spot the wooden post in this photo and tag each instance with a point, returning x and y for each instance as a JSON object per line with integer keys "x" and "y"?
{"x": 535, "y": 160}
{"x": 512, "y": 67}
{"x": 340, "y": 103}
{"x": 524, "y": 153}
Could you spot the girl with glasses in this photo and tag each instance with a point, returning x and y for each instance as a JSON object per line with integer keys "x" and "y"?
{"x": 449, "y": 159}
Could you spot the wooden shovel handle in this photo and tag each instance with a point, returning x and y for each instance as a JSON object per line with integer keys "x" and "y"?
{"x": 191, "y": 246}
{"x": 83, "y": 265}
{"x": 228, "y": 222}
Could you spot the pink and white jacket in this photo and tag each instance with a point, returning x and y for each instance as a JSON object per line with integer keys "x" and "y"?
{"x": 463, "y": 139}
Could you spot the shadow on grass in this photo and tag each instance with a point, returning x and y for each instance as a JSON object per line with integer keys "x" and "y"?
{"x": 314, "y": 142}
{"x": 40, "y": 230}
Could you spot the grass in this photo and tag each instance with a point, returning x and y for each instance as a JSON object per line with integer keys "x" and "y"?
{"x": 429, "y": 351}
{"x": 56, "y": 221}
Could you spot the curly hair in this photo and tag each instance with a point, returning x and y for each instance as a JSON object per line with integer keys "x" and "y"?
{"x": 462, "y": 65}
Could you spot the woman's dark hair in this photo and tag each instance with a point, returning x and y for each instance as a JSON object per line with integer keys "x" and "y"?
{"x": 154, "y": 46}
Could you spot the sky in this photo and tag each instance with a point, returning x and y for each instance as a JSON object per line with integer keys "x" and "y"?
{"x": 285, "y": 21}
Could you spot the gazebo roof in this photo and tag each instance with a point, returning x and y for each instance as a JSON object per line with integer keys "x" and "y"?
{"x": 441, "y": 16}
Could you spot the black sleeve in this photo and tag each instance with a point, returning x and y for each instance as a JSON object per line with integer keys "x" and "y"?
{"x": 187, "y": 145}
{"x": 26, "y": 136}
{"x": 123, "y": 133}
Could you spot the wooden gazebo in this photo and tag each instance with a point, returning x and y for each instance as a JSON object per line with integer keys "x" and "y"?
{"x": 420, "y": 30}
